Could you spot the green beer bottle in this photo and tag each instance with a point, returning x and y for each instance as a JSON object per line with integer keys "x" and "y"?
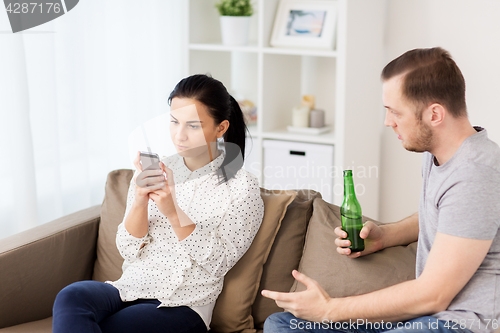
{"x": 351, "y": 214}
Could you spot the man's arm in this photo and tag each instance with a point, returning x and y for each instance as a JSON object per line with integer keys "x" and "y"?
{"x": 403, "y": 232}
{"x": 451, "y": 263}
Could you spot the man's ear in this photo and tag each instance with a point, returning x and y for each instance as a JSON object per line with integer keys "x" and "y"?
{"x": 436, "y": 114}
{"x": 222, "y": 128}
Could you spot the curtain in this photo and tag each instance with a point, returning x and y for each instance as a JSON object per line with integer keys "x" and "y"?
{"x": 72, "y": 91}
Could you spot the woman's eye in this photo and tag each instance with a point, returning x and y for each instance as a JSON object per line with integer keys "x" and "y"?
{"x": 174, "y": 122}
{"x": 194, "y": 126}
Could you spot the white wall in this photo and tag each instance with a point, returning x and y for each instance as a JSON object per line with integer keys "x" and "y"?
{"x": 470, "y": 31}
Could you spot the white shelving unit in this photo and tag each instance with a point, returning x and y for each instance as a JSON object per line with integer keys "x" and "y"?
{"x": 345, "y": 82}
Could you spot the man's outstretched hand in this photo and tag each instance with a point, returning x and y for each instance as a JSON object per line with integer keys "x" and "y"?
{"x": 311, "y": 304}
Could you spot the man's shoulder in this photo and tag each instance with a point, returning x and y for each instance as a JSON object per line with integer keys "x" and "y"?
{"x": 483, "y": 154}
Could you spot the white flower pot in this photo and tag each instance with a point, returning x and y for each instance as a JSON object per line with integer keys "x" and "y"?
{"x": 235, "y": 29}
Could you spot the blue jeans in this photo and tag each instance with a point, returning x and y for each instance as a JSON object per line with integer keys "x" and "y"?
{"x": 95, "y": 307}
{"x": 286, "y": 322}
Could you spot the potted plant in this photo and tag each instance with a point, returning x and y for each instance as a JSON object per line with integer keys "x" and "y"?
{"x": 235, "y": 21}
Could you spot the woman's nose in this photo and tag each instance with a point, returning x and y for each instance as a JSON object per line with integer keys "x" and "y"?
{"x": 180, "y": 135}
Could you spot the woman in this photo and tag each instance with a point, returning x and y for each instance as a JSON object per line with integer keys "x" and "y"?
{"x": 185, "y": 226}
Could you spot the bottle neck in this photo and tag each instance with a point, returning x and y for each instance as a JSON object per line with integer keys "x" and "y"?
{"x": 349, "y": 186}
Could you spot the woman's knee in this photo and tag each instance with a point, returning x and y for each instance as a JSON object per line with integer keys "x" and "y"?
{"x": 70, "y": 294}
{"x": 77, "y": 294}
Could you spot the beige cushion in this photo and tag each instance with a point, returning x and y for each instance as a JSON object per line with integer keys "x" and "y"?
{"x": 233, "y": 310}
{"x": 341, "y": 276}
{"x": 285, "y": 254}
{"x": 108, "y": 265}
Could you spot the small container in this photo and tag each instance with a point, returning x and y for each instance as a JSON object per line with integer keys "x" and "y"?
{"x": 317, "y": 119}
{"x": 300, "y": 116}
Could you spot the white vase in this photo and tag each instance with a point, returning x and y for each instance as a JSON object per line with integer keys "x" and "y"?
{"x": 235, "y": 29}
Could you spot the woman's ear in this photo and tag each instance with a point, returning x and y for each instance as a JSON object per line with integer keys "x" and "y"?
{"x": 222, "y": 128}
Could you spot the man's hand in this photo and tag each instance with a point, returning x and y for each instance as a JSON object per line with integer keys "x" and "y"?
{"x": 371, "y": 233}
{"x": 311, "y": 304}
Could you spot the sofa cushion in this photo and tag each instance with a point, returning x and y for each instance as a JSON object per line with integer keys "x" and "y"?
{"x": 233, "y": 309}
{"x": 108, "y": 265}
{"x": 39, "y": 326}
{"x": 341, "y": 276}
{"x": 285, "y": 254}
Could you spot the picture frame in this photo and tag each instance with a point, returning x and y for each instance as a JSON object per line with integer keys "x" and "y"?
{"x": 305, "y": 23}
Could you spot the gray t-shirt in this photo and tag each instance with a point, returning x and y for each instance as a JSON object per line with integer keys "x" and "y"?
{"x": 462, "y": 198}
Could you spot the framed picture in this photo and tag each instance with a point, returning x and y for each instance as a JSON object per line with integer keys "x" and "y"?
{"x": 305, "y": 23}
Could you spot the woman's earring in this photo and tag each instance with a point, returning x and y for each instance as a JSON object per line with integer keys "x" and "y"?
{"x": 220, "y": 143}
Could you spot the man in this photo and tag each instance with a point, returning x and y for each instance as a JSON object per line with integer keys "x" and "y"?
{"x": 457, "y": 285}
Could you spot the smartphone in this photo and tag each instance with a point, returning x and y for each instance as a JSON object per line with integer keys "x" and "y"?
{"x": 150, "y": 161}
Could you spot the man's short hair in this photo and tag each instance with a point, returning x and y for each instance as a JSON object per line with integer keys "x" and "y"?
{"x": 431, "y": 76}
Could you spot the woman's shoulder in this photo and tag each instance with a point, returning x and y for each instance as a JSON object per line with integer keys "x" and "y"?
{"x": 170, "y": 161}
{"x": 244, "y": 178}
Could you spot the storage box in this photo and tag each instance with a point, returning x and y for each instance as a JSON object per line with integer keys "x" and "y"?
{"x": 296, "y": 165}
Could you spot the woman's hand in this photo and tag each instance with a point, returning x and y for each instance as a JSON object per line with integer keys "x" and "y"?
{"x": 372, "y": 235}
{"x": 164, "y": 197}
{"x": 146, "y": 182}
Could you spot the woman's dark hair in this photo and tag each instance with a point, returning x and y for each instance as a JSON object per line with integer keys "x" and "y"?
{"x": 221, "y": 106}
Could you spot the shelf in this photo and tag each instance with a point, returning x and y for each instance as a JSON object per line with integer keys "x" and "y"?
{"x": 266, "y": 50}
{"x": 300, "y": 52}
{"x": 283, "y": 134}
{"x": 276, "y": 78}
{"x": 221, "y": 47}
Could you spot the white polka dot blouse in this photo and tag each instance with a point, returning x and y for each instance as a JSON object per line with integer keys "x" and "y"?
{"x": 190, "y": 272}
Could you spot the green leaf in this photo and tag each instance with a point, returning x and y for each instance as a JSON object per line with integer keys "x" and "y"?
{"x": 234, "y": 7}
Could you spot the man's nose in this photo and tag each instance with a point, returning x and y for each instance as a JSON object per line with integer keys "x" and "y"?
{"x": 388, "y": 119}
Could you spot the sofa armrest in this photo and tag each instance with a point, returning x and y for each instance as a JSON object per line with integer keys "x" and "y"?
{"x": 36, "y": 264}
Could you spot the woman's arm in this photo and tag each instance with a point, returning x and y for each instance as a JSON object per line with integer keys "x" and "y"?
{"x": 145, "y": 182}
{"x": 129, "y": 245}
{"x": 133, "y": 232}
{"x": 166, "y": 202}
{"x": 217, "y": 250}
